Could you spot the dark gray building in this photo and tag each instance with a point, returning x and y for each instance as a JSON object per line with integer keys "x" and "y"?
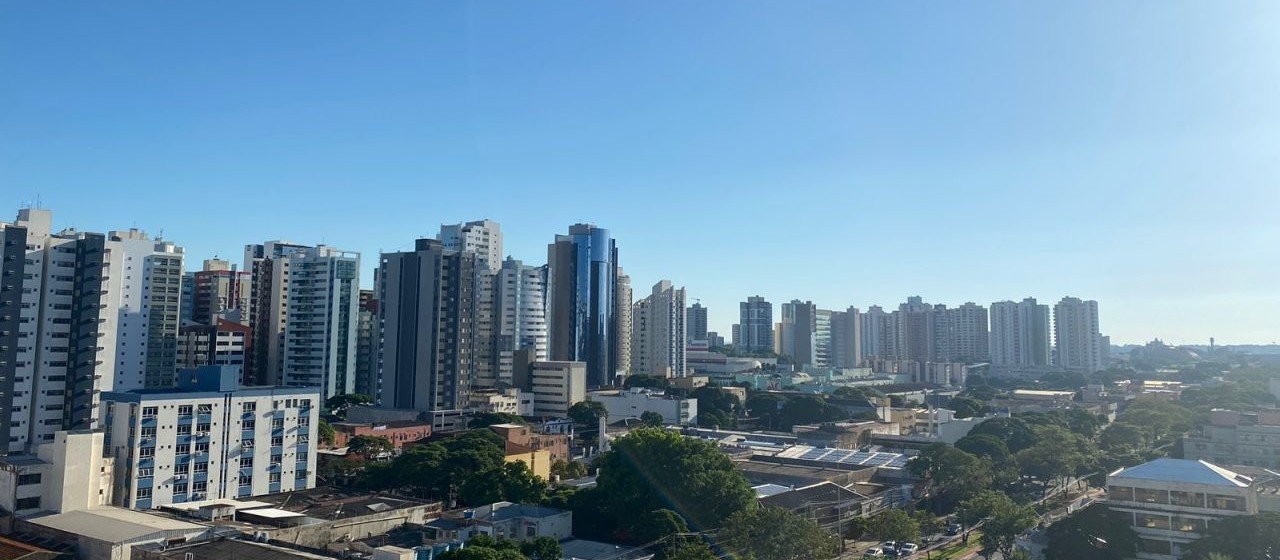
{"x": 696, "y": 319}
{"x": 755, "y": 325}
{"x": 582, "y": 282}
{"x": 427, "y": 308}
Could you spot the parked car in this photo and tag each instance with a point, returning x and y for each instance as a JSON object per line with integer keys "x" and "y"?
{"x": 890, "y": 549}
{"x": 907, "y": 549}
{"x": 954, "y": 529}
{"x": 873, "y": 553}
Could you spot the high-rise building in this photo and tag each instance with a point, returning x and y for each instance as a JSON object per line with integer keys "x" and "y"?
{"x": 482, "y": 237}
{"x": 186, "y": 302}
{"x": 914, "y": 331}
{"x": 823, "y": 345}
{"x": 426, "y": 310}
{"x": 1078, "y": 346}
{"x": 367, "y": 342}
{"x": 322, "y": 316}
{"x": 1075, "y": 335}
{"x": 72, "y": 301}
{"x": 220, "y": 291}
{"x": 967, "y": 337}
{"x": 1020, "y": 334}
{"x": 225, "y": 343}
{"x": 149, "y": 307}
{"x": 521, "y": 313}
{"x": 846, "y": 338}
{"x": 657, "y": 332}
{"x": 304, "y": 315}
{"x": 697, "y": 327}
{"x": 209, "y": 438}
{"x": 582, "y": 287}
{"x": 735, "y": 334}
{"x": 799, "y": 332}
{"x": 755, "y": 325}
{"x": 622, "y": 340}
{"x": 878, "y": 338}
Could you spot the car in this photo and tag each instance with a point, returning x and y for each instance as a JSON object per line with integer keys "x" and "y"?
{"x": 890, "y": 549}
{"x": 954, "y": 529}
{"x": 873, "y": 553}
{"x": 907, "y": 549}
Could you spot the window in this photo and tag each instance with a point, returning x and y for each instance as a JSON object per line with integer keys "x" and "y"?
{"x": 180, "y": 488}
{"x": 1188, "y": 524}
{"x": 182, "y": 468}
{"x": 1155, "y": 547}
{"x": 303, "y": 456}
{"x": 277, "y": 441}
{"x": 184, "y": 410}
{"x": 184, "y": 429}
{"x": 145, "y": 473}
{"x": 304, "y": 420}
{"x": 27, "y": 503}
{"x": 25, "y": 479}
{"x": 202, "y": 467}
{"x": 277, "y": 458}
{"x": 303, "y": 438}
{"x": 1186, "y": 499}
{"x": 249, "y": 406}
{"x": 199, "y": 486}
{"x": 144, "y": 493}
{"x": 277, "y": 423}
{"x": 246, "y": 462}
{"x": 274, "y": 478}
{"x": 149, "y": 432}
{"x": 1152, "y": 521}
{"x": 246, "y": 480}
{"x": 147, "y": 452}
{"x": 202, "y": 448}
{"x": 1232, "y": 503}
{"x": 247, "y": 444}
{"x": 149, "y": 411}
{"x": 204, "y": 409}
{"x": 1150, "y": 496}
{"x": 250, "y": 425}
{"x": 183, "y": 449}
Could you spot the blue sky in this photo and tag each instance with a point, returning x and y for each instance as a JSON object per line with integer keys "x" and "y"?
{"x": 850, "y": 153}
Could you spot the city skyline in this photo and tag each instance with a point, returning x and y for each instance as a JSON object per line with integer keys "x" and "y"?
{"x": 1133, "y": 169}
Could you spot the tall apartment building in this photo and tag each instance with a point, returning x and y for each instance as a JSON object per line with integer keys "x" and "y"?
{"x": 187, "y": 298}
{"x": 914, "y": 330}
{"x": 846, "y": 338}
{"x": 304, "y": 315}
{"x": 224, "y": 343}
{"x": 878, "y": 338}
{"x": 584, "y": 303}
{"x": 1237, "y": 438}
{"x": 822, "y": 338}
{"x": 966, "y": 335}
{"x": 697, "y": 323}
{"x": 798, "y": 332}
{"x": 219, "y": 291}
{"x": 622, "y": 317}
{"x": 657, "y": 333}
{"x": 1078, "y": 344}
{"x": 755, "y": 326}
{"x": 322, "y": 314}
{"x": 426, "y": 310}
{"x": 1020, "y": 335}
{"x": 210, "y": 438}
{"x": 521, "y": 313}
{"x": 482, "y": 237}
{"x": 80, "y": 313}
{"x": 367, "y": 342}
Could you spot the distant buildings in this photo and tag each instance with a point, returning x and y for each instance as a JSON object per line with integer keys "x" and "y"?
{"x": 1020, "y": 335}
{"x": 1078, "y": 344}
{"x": 697, "y": 323}
{"x": 210, "y": 437}
{"x": 1237, "y": 438}
{"x": 657, "y": 333}
{"x": 583, "y": 280}
{"x": 633, "y": 403}
{"x": 755, "y": 326}
{"x": 846, "y": 339}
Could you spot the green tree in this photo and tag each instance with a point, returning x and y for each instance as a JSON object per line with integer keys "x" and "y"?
{"x": 985, "y": 445}
{"x": 951, "y": 475}
{"x": 809, "y": 410}
{"x": 568, "y": 470}
{"x": 767, "y": 407}
{"x": 893, "y": 525}
{"x": 1057, "y": 455}
{"x": 587, "y": 413}
{"x": 685, "y": 549}
{"x": 649, "y": 381}
{"x": 542, "y": 548}
{"x": 927, "y": 522}
{"x": 1014, "y": 432}
{"x": 651, "y": 469}
{"x": 772, "y": 533}
{"x": 433, "y": 469}
{"x": 511, "y": 482}
{"x": 858, "y": 392}
{"x": 338, "y": 404}
{"x": 652, "y": 419}
{"x": 327, "y": 433}
{"x": 966, "y": 407}
{"x": 1005, "y": 520}
{"x": 486, "y": 419}
{"x": 370, "y": 447}
{"x": 1095, "y": 532}
{"x": 656, "y": 525}
{"x": 1244, "y": 537}
{"x": 716, "y": 407}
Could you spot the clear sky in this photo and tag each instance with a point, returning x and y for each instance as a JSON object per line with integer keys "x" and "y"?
{"x": 849, "y": 153}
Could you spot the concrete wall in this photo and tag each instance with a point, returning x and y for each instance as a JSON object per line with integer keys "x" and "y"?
{"x": 320, "y": 534}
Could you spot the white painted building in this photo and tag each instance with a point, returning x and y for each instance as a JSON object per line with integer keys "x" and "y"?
{"x": 1172, "y": 501}
{"x": 632, "y": 403}
{"x": 149, "y": 306}
{"x": 657, "y": 333}
{"x": 520, "y": 305}
{"x": 1078, "y": 345}
{"x": 556, "y": 386}
{"x": 66, "y": 474}
{"x": 210, "y": 438}
{"x": 506, "y": 401}
{"x": 320, "y": 328}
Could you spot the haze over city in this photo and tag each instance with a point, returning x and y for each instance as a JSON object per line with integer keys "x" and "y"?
{"x": 843, "y": 153}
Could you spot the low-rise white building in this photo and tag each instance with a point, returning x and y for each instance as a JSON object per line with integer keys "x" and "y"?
{"x": 210, "y": 438}
{"x": 633, "y": 403}
{"x": 1172, "y": 501}
{"x": 66, "y": 474}
{"x": 507, "y": 401}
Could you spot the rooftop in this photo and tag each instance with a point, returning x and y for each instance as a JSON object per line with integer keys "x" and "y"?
{"x": 224, "y": 549}
{"x": 1184, "y": 470}
{"x": 580, "y": 549}
{"x": 112, "y": 524}
{"x": 820, "y": 492}
{"x": 845, "y": 457}
{"x": 766, "y": 490}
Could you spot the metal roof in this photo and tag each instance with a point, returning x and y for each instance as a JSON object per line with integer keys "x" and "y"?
{"x": 112, "y": 524}
{"x": 1184, "y": 470}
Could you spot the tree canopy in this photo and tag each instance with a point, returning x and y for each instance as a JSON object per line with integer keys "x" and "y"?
{"x": 511, "y": 482}
{"x": 587, "y": 413}
{"x": 338, "y": 404}
{"x": 486, "y": 419}
{"x": 893, "y": 525}
{"x": 1244, "y": 537}
{"x": 772, "y": 533}
{"x": 1095, "y": 532}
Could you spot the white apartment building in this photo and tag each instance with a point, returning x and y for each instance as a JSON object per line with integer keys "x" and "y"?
{"x": 66, "y": 474}
{"x": 657, "y": 333}
{"x": 1079, "y": 344}
{"x": 556, "y": 386}
{"x": 633, "y": 403}
{"x": 1020, "y": 335}
{"x": 321, "y": 322}
{"x": 507, "y": 401}
{"x": 482, "y": 237}
{"x": 1172, "y": 501}
{"x": 622, "y": 317}
{"x": 80, "y": 313}
{"x": 210, "y": 438}
{"x": 520, "y": 305}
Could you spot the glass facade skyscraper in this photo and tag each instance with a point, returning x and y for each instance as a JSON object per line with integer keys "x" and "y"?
{"x": 582, "y": 278}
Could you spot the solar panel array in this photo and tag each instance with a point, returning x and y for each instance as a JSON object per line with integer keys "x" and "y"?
{"x": 846, "y": 457}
